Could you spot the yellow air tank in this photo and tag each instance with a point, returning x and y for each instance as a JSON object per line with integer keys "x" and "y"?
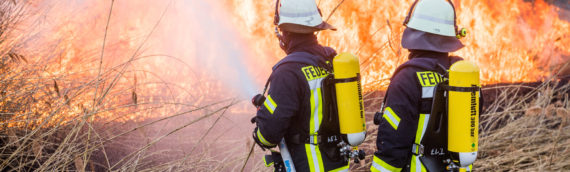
{"x": 349, "y": 98}
{"x": 463, "y": 112}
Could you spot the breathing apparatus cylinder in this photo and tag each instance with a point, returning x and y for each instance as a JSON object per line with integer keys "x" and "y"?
{"x": 463, "y": 111}
{"x": 349, "y": 98}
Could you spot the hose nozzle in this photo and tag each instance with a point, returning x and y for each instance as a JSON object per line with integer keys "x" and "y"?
{"x": 258, "y": 100}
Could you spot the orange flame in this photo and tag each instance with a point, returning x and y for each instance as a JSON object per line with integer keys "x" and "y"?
{"x": 512, "y": 40}
{"x": 163, "y": 52}
{"x": 156, "y": 60}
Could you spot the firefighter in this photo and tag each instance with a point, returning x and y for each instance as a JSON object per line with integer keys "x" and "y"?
{"x": 431, "y": 33}
{"x": 293, "y": 108}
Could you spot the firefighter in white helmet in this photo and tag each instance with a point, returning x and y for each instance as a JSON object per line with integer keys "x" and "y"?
{"x": 294, "y": 109}
{"x": 430, "y": 36}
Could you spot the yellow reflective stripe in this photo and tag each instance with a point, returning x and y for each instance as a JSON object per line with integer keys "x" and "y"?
{"x": 379, "y": 165}
{"x": 316, "y": 111}
{"x": 265, "y": 162}
{"x": 319, "y": 111}
{"x": 341, "y": 169}
{"x": 391, "y": 117}
{"x": 263, "y": 141}
{"x": 270, "y": 104}
{"x": 314, "y": 157}
{"x": 312, "y": 121}
{"x": 422, "y": 125}
{"x": 416, "y": 165}
{"x": 312, "y": 151}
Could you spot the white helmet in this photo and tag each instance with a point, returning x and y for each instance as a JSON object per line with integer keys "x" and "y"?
{"x": 432, "y": 16}
{"x": 432, "y": 26}
{"x": 300, "y": 16}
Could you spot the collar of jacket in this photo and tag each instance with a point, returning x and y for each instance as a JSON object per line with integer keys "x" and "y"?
{"x": 306, "y": 42}
{"x": 302, "y": 58}
{"x": 427, "y": 54}
{"x": 441, "y": 58}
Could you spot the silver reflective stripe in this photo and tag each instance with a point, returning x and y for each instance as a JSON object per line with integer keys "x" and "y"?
{"x": 314, "y": 85}
{"x": 392, "y": 118}
{"x": 433, "y": 19}
{"x": 314, "y": 139}
{"x": 418, "y": 164}
{"x": 379, "y": 167}
{"x": 315, "y": 157}
{"x": 269, "y": 105}
{"x": 427, "y": 92}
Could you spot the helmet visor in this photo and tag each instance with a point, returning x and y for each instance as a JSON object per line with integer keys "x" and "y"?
{"x": 413, "y": 39}
{"x": 290, "y": 27}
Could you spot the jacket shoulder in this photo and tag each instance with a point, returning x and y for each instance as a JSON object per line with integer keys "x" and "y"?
{"x": 301, "y": 58}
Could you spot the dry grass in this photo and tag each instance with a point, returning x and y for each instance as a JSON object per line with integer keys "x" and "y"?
{"x": 59, "y": 123}
{"x": 523, "y": 129}
{"x": 528, "y": 132}
{"x": 81, "y": 121}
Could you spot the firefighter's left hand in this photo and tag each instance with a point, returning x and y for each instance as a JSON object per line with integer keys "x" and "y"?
{"x": 263, "y": 147}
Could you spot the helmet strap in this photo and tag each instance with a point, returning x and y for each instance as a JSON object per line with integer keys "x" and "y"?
{"x": 459, "y": 33}
{"x": 282, "y": 42}
{"x": 454, "y": 18}
{"x": 410, "y": 13}
{"x": 276, "y": 16}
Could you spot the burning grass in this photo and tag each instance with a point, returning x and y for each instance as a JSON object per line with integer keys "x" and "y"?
{"x": 510, "y": 40}
{"x": 62, "y": 108}
{"x": 101, "y": 118}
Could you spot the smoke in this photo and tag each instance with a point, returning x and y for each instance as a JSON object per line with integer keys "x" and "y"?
{"x": 190, "y": 45}
{"x": 200, "y": 33}
{"x": 193, "y": 43}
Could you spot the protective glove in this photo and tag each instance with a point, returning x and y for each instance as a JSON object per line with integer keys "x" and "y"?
{"x": 263, "y": 147}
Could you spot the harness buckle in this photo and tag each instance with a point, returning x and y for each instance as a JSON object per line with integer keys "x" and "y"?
{"x": 313, "y": 139}
{"x": 418, "y": 149}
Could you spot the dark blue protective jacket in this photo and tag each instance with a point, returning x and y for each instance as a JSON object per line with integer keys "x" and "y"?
{"x": 406, "y": 108}
{"x": 294, "y": 104}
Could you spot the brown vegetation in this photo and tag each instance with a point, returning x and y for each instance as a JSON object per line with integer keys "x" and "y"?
{"x": 523, "y": 128}
{"x": 83, "y": 120}
{"x": 79, "y": 122}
